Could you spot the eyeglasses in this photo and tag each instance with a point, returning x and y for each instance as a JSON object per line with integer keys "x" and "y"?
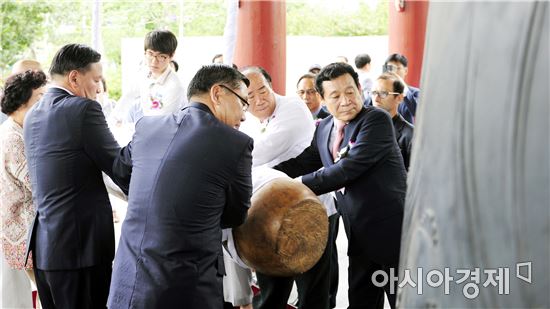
{"x": 308, "y": 91}
{"x": 391, "y": 68}
{"x": 160, "y": 57}
{"x": 244, "y": 102}
{"x": 382, "y": 94}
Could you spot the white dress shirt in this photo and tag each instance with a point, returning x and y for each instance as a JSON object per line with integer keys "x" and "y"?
{"x": 282, "y": 136}
{"x": 151, "y": 96}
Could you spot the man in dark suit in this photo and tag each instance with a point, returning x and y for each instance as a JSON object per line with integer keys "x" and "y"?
{"x": 362, "y": 163}
{"x": 305, "y": 89}
{"x": 307, "y": 92}
{"x": 398, "y": 64}
{"x": 190, "y": 177}
{"x": 387, "y": 95}
{"x": 68, "y": 145}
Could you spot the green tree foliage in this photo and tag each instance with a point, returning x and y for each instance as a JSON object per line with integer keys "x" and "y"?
{"x": 44, "y": 26}
{"x": 21, "y": 25}
{"x": 308, "y": 19}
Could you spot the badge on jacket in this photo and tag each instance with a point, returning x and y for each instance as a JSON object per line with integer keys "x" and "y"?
{"x": 344, "y": 151}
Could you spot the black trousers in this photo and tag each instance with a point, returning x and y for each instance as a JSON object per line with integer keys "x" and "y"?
{"x": 362, "y": 292}
{"x": 313, "y": 285}
{"x": 383, "y": 255}
{"x": 79, "y": 288}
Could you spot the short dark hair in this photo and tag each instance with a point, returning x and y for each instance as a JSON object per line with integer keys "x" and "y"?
{"x": 73, "y": 57}
{"x": 397, "y": 58}
{"x": 216, "y": 56}
{"x": 257, "y": 69}
{"x": 162, "y": 41}
{"x": 209, "y": 75}
{"x": 332, "y": 71}
{"x": 18, "y": 89}
{"x": 362, "y": 60}
{"x": 307, "y": 75}
{"x": 397, "y": 83}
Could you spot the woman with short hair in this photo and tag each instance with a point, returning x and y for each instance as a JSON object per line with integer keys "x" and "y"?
{"x": 21, "y": 92}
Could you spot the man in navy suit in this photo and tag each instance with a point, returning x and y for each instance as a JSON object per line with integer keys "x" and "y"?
{"x": 397, "y": 63}
{"x": 190, "y": 177}
{"x": 68, "y": 145}
{"x": 387, "y": 95}
{"x": 305, "y": 89}
{"x": 362, "y": 163}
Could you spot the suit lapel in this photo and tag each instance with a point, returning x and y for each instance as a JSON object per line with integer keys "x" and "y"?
{"x": 352, "y": 129}
{"x": 399, "y": 124}
{"x": 325, "y": 129}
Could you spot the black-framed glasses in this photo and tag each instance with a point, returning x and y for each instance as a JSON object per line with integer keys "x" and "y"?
{"x": 160, "y": 57}
{"x": 244, "y": 102}
{"x": 392, "y": 68}
{"x": 382, "y": 94}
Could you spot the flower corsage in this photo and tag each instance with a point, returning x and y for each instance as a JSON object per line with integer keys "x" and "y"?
{"x": 344, "y": 151}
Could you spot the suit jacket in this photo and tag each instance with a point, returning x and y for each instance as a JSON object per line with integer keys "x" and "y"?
{"x": 190, "y": 177}
{"x": 407, "y": 108}
{"x": 373, "y": 177}
{"x": 67, "y": 145}
{"x": 322, "y": 114}
{"x": 404, "y": 134}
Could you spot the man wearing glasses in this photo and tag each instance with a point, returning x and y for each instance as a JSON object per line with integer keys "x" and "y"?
{"x": 397, "y": 63}
{"x": 190, "y": 177}
{"x": 387, "y": 95}
{"x": 160, "y": 92}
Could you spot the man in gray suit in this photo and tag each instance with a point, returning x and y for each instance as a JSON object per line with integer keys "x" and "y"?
{"x": 191, "y": 177}
{"x": 68, "y": 145}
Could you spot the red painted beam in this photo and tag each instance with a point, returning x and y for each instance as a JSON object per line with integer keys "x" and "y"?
{"x": 407, "y": 31}
{"x": 261, "y": 38}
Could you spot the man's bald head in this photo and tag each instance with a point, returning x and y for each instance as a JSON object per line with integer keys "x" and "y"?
{"x": 24, "y": 65}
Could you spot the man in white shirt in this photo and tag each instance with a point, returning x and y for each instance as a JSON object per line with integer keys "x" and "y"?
{"x": 282, "y": 127}
{"x": 362, "y": 63}
{"x": 161, "y": 91}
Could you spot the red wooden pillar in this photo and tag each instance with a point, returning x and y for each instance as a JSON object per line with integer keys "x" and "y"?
{"x": 261, "y": 38}
{"x": 407, "y": 30}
